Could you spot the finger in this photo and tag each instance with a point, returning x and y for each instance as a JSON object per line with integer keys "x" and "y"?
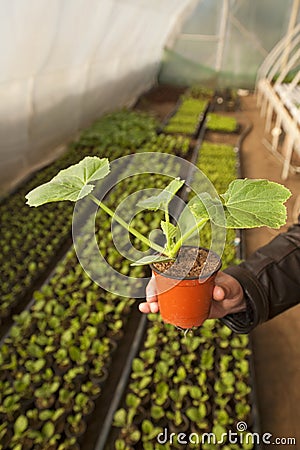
{"x": 154, "y": 307}
{"x": 151, "y": 292}
{"x": 144, "y": 307}
{"x": 218, "y": 293}
{"x": 147, "y": 308}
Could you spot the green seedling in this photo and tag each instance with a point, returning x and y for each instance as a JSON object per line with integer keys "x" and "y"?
{"x": 247, "y": 203}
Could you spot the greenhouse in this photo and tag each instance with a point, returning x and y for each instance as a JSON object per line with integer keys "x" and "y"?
{"x": 150, "y": 224}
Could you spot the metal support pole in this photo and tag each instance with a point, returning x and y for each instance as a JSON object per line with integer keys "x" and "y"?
{"x": 269, "y": 117}
{"x": 288, "y": 150}
{"x": 292, "y": 23}
{"x": 276, "y": 132}
{"x": 222, "y": 35}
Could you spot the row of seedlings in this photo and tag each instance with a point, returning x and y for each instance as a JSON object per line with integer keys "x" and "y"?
{"x": 184, "y": 384}
{"x": 215, "y": 121}
{"x": 166, "y": 143}
{"x": 30, "y": 238}
{"x": 236, "y": 379}
{"x": 62, "y": 342}
{"x": 192, "y": 384}
{"x": 225, "y": 100}
{"x": 56, "y": 357}
{"x": 221, "y": 123}
{"x": 200, "y": 92}
{"x": 187, "y": 116}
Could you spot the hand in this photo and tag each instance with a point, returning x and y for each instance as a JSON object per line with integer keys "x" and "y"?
{"x": 228, "y": 297}
{"x": 151, "y": 305}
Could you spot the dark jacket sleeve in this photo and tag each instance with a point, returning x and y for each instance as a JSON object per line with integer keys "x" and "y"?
{"x": 270, "y": 279}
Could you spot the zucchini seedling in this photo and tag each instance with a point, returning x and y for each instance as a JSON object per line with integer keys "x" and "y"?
{"x": 247, "y": 203}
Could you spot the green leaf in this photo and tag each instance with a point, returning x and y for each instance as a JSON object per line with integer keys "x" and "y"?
{"x": 71, "y": 183}
{"x": 187, "y": 219}
{"x": 223, "y": 417}
{"x": 163, "y": 198}
{"x": 147, "y": 426}
{"x": 180, "y": 374}
{"x": 120, "y": 418}
{"x": 162, "y": 389}
{"x": 169, "y": 229}
{"x": 135, "y": 436}
{"x": 206, "y": 207}
{"x": 171, "y": 232}
{"x": 137, "y": 365}
{"x": 157, "y": 412}
{"x": 74, "y": 353}
{"x": 120, "y": 444}
{"x": 35, "y": 351}
{"x": 91, "y": 168}
{"x": 20, "y": 425}
{"x": 48, "y": 430}
{"x": 18, "y": 447}
{"x": 255, "y": 203}
{"x": 149, "y": 431}
{"x": 247, "y": 204}
{"x": 71, "y": 190}
{"x": 197, "y": 207}
{"x": 145, "y": 382}
{"x": 150, "y": 259}
{"x": 193, "y": 414}
{"x": 46, "y": 414}
{"x": 202, "y": 410}
{"x": 38, "y": 364}
{"x": 219, "y": 430}
{"x": 148, "y": 445}
{"x": 54, "y": 386}
{"x": 132, "y": 400}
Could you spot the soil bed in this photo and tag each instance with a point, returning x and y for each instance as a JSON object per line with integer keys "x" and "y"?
{"x": 191, "y": 257}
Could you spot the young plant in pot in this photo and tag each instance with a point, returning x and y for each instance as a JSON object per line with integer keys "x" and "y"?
{"x": 184, "y": 296}
{"x": 45, "y": 395}
{"x": 75, "y": 425}
{"x": 125, "y": 420}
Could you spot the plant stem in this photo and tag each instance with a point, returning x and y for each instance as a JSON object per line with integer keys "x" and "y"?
{"x": 167, "y": 220}
{"x": 127, "y": 227}
{"x": 183, "y": 238}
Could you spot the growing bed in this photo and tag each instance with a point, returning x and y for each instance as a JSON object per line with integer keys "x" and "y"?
{"x": 199, "y": 383}
{"x": 58, "y": 359}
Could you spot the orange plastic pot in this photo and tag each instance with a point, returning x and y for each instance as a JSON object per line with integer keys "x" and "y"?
{"x": 186, "y": 302}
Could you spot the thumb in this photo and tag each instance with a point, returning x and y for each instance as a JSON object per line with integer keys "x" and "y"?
{"x": 219, "y": 293}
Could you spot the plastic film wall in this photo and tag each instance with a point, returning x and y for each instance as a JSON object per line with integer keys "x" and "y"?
{"x": 224, "y": 42}
{"x": 65, "y": 62}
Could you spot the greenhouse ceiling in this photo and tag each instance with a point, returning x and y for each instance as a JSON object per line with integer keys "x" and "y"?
{"x": 64, "y": 64}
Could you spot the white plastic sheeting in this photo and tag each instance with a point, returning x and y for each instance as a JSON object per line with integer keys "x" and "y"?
{"x": 65, "y": 62}
{"x": 224, "y": 41}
